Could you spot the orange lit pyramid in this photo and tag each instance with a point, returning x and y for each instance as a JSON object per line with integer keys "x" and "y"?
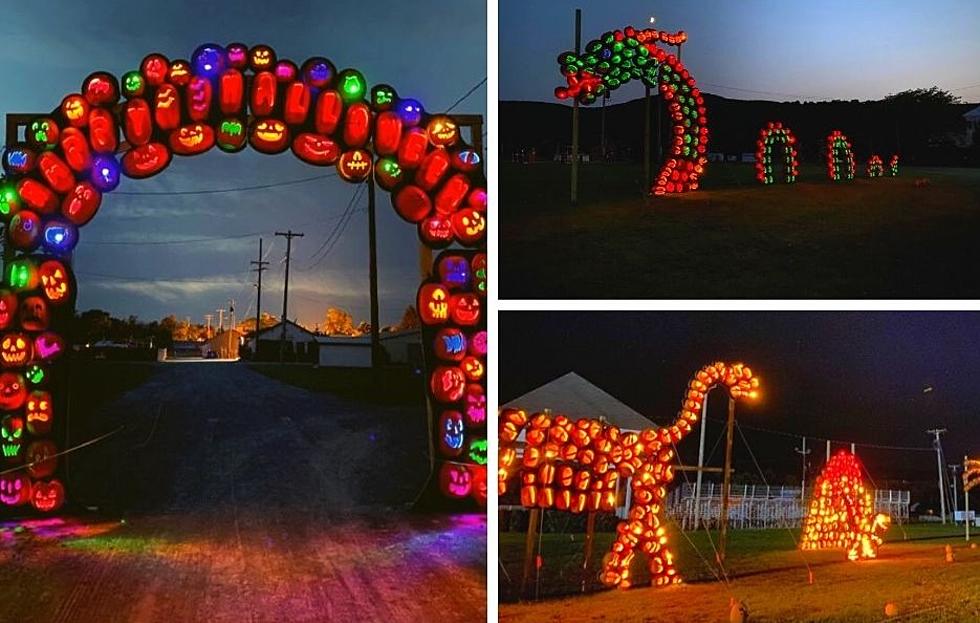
{"x": 841, "y": 514}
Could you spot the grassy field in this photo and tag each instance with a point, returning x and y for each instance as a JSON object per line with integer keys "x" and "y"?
{"x": 766, "y": 571}
{"x": 387, "y": 386}
{"x": 881, "y": 238}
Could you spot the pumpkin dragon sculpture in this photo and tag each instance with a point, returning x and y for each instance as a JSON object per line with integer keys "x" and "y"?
{"x": 577, "y": 467}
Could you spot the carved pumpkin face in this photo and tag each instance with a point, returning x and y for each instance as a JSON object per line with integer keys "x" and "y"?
{"x": 8, "y": 307}
{"x": 191, "y": 139}
{"x": 133, "y": 84}
{"x": 472, "y": 368}
{"x": 11, "y": 436}
{"x": 180, "y": 73}
{"x": 43, "y": 133}
{"x": 454, "y": 271}
{"x": 270, "y": 136}
{"x": 469, "y": 226}
{"x": 383, "y": 97}
{"x": 35, "y": 374}
{"x": 388, "y": 173}
{"x": 433, "y": 303}
{"x": 13, "y": 391}
{"x": 318, "y": 72}
{"x": 478, "y": 344}
{"x": 9, "y": 200}
{"x": 475, "y": 405}
{"x": 22, "y": 275}
{"x": 48, "y": 496}
{"x": 47, "y": 346}
{"x": 40, "y": 412}
{"x": 42, "y": 454}
{"x": 443, "y": 131}
{"x": 25, "y": 230}
{"x": 436, "y": 231}
{"x": 479, "y": 484}
{"x": 15, "y": 350}
{"x": 81, "y": 204}
{"x": 101, "y": 89}
{"x": 447, "y": 383}
{"x": 19, "y": 160}
{"x": 479, "y": 265}
{"x": 466, "y": 160}
{"x": 231, "y": 135}
{"x": 146, "y": 160}
{"x": 354, "y": 165}
{"x": 237, "y": 55}
{"x": 410, "y": 111}
{"x": 55, "y": 281}
{"x": 465, "y": 309}
{"x": 154, "y": 68}
{"x": 455, "y": 480}
{"x": 316, "y": 149}
{"x": 477, "y": 451}
{"x": 34, "y": 314}
{"x": 261, "y": 57}
{"x": 451, "y": 433}
{"x": 450, "y": 344}
{"x": 15, "y": 489}
{"x": 75, "y": 108}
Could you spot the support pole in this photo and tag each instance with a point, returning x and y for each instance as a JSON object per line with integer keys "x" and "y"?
{"x": 726, "y": 481}
{"x": 578, "y": 50}
{"x": 530, "y": 541}
{"x": 936, "y": 432}
{"x": 260, "y": 267}
{"x": 966, "y": 500}
{"x": 697, "y": 481}
{"x": 602, "y": 135}
{"x": 288, "y": 235}
{"x": 803, "y": 453}
{"x": 373, "y": 270}
{"x": 828, "y": 451}
{"x": 646, "y": 138}
{"x": 953, "y": 485}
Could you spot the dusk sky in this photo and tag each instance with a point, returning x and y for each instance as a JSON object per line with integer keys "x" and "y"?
{"x": 844, "y": 375}
{"x": 432, "y": 51}
{"x": 791, "y": 50}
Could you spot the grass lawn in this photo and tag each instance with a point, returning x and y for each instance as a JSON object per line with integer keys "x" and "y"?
{"x": 881, "y": 238}
{"x": 387, "y": 386}
{"x": 765, "y": 570}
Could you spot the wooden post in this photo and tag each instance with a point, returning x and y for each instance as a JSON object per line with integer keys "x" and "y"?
{"x": 646, "y": 139}
{"x": 373, "y": 277}
{"x": 578, "y": 50}
{"x": 530, "y": 542}
{"x": 589, "y": 541}
{"x": 726, "y": 481}
{"x": 966, "y": 499}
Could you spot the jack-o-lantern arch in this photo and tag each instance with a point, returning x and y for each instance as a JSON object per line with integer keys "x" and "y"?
{"x": 577, "y": 466}
{"x": 230, "y": 97}
{"x": 840, "y": 157}
{"x": 629, "y": 54}
{"x": 876, "y": 167}
{"x": 771, "y": 136}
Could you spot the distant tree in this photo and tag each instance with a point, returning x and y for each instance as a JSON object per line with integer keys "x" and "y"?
{"x": 410, "y": 320}
{"x": 337, "y": 321}
{"x": 248, "y": 325}
{"x": 363, "y": 328}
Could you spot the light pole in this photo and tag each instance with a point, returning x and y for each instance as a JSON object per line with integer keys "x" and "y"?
{"x": 953, "y": 485}
{"x": 803, "y": 453}
{"x": 939, "y": 465}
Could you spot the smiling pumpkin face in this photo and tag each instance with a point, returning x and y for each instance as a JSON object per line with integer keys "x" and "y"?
{"x": 269, "y": 136}
{"x": 180, "y": 73}
{"x": 231, "y": 135}
{"x": 13, "y": 391}
{"x": 55, "y": 281}
{"x": 15, "y": 350}
{"x": 15, "y": 489}
{"x": 146, "y": 160}
{"x": 191, "y": 139}
{"x": 47, "y": 496}
{"x": 8, "y": 308}
{"x": 40, "y": 412}
{"x": 469, "y": 225}
{"x": 443, "y": 131}
{"x": 465, "y": 309}
{"x": 355, "y": 165}
{"x": 316, "y": 149}
{"x": 455, "y": 480}
{"x": 11, "y": 437}
{"x": 261, "y": 57}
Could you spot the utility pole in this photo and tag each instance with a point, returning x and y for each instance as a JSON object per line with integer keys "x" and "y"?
{"x": 803, "y": 453}
{"x": 221, "y": 319}
{"x": 373, "y": 278}
{"x": 697, "y": 482}
{"x": 953, "y": 485}
{"x": 578, "y": 50}
{"x": 828, "y": 451}
{"x": 939, "y": 464}
{"x": 231, "y": 314}
{"x": 726, "y": 481}
{"x": 260, "y": 267}
{"x": 288, "y": 235}
{"x": 207, "y": 321}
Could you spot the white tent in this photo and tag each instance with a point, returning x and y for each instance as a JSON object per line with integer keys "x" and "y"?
{"x": 575, "y": 397}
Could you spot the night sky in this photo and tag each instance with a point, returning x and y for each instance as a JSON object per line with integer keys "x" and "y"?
{"x": 792, "y": 50}
{"x": 432, "y": 51}
{"x": 846, "y": 376}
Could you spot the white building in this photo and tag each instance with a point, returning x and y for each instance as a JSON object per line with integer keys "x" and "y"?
{"x": 400, "y": 348}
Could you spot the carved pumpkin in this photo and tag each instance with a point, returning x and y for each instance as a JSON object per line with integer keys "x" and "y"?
{"x": 13, "y": 391}
{"x": 357, "y": 125}
{"x": 410, "y": 111}
{"x": 231, "y": 92}
{"x": 43, "y": 133}
{"x": 133, "y": 84}
{"x": 316, "y": 149}
{"x": 387, "y": 133}
{"x": 47, "y": 496}
{"x": 11, "y": 436}
{"x": 478, "y": 489}
{"x": 269, "y": 136}
{"x": 8, "y": 308}
{"x": 286, "y": 71}
{"x": 15, "y": 489}
{"x": 452, "y": 194}
{"x": 22, "y": 275}
{"x": 318, "y": 72}
{"x": 433, "y": 168}
{"x": 387, "y": 173}
{"x": 81, "y": 204}
{"x": 166, "y": 110}
{"x": 55, "y": 172}
{"x": 355, "y": 166}
{"x": 436, "y": 231}
{"x": 137, "y": 122}
{"x": 412, "y": 203}
{"x": 451, "y": 434}
{"x": 154, "y": 68}
{"x": 101, "y": 89}
{"x": 443, "y": 131}
{"x": 261, "y": 57}
{"x": 10, "y": 203}
{"x": 35, "y": 374}
{"x": 263, "y": 96}
{"x": 472, "y": 367}
{"x": 433, "y": 304}
{"x": 40, "y": 458}
{"x": 447, "y": 383}
{"x": 180, "y": 72}
{"x": 411, "y": 150}
{"x": 478, "y": 344}
{"x": 450, "y": 344}
{"x": 465, "y": 309}
{"x": 15, "y": 350}
{"x": 75, "y": 109}
{"x": 237, "y": 55}
{"x": 209, "y": 60}
{"x": 454, "y": 271}
{"x": 466, "y": 160}
{"x": 455, "y": 480}
{"x": 55, "y": 281}
{"x": 383, "y": 97}
{"x": 469, "y": 226}
{"x": 40, "y": 412}
{"x": 231, "y": 135}
{"x": 105, "y": 172}
{"x": 103, "y": 135}
{"x": 352, "y": 85}
{"x": 19, "y": 160}
{"x": 47, "y": 346}
{"x": 475, "y": 405}
{"x": 297, "y": 104}
{"x": 24, "y": 231}
{"x": 477, "y": 451}
{"x": 479, "y": 266}
{"x": 34, "y": 314}
{"x": 146, "y": 160}
{"x": 192, "y": 139}
{"x": 37, "y": 196}
{"x": 59, "y": 236}
{"x": 329, "y": 108}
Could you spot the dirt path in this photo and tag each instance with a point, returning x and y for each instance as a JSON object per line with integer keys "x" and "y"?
{"x": 249, "y": 500}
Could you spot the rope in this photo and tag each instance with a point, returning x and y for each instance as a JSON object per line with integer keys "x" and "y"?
{"x": 62, "y": 453}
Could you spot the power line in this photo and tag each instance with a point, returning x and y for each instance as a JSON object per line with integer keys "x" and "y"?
{"x": 213, "y": 279}
{"x": 467, "y": 94}
{"x": 227, "y": 190}
{"x": 836, "y": 441}
{"x": 336, "y": 232}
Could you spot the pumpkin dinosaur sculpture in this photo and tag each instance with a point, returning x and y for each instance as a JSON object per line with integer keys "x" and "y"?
{"x": 577, "y": 467}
